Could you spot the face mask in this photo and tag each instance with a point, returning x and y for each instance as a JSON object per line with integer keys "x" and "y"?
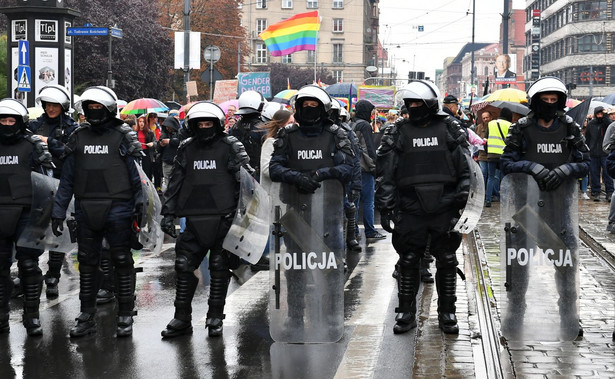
{"x": 419, "y": 115}
{"x": 9, "y": 132}
{"x": 310, "y": 115}
{"x": 96, "y": 116}
{"x": 206, "y": 134}
{"x": 546, "y": 111}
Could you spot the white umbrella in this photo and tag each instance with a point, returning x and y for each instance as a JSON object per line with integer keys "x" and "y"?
{"x": 595, "y": 103}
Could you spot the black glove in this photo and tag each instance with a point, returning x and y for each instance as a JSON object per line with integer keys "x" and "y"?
{"x": 461, "y": 199}
{"x": 57, "y": 226}
{"x": 168, "y": 225}
{"x": 307, "y": 184}
{"x": 353, "y": 195}
{"x": 540, "y": 173}
{"x": 385, "y": 220}
{"x": 137, "y": 218}
{"x": 556, "y": 177}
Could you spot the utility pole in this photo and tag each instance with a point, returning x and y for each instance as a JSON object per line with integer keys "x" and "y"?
{"x": 505, "y": 23}
{"x": 472, "y": 57}
{"x": 186, "y": 46}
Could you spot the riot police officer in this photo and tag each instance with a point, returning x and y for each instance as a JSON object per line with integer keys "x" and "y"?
{"x": 246, "y": 130}
{"x": 204, "y": 188}
{"x": 423, "y": 181}
{"x": 549, "y": 146}
{"x": 20, "y": 154}
{"x": 100, "y": 169}
{"x": 54, "y": 127}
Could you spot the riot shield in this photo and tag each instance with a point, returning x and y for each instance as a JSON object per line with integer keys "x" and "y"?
{"x": 150, "y": 235}
{"x": 249, "y": 233}
{"x": 539, "y": 260}
{"x": 474, "y": 207}
{"x": 37, "y": 234}
{"x": 307, "y": 270}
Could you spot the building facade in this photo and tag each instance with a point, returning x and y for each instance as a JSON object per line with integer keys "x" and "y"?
{"x": 347, "y": 41}
{"x": 576, "y": 44}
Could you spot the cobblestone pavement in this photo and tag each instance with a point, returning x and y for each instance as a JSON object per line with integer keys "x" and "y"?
{"x": 592, "y": 355}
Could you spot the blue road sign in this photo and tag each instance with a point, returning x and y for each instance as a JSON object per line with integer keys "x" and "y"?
{"x": 115, "y": 32}
{"x": 24, "y": 52}
{"x": 87, "y": 31}
{"x": 23, "y": 79}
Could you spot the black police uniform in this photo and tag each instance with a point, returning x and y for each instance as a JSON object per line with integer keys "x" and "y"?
{"x": 246, "y": 130}
{"x": 19, "y": 156}
{"x": 57, "y": 130}
{"x": 522, "y": 155}
{"x": 422, "y": 181}
{"x": 100, "y": 170}
{"x": 204, "y": 188}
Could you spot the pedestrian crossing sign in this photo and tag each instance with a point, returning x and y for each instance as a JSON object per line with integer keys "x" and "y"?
{"x": 23, "y": 79}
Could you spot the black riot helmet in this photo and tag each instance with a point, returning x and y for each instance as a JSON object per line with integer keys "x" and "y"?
{"x": 205, "y": 111}
{"x": 14, "y": 109}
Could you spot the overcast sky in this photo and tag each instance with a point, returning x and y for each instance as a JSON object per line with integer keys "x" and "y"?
{"x": 447, "y": 28}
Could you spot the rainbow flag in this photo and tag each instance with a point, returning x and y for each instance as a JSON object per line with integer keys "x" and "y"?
{"x": 297, "y": 33}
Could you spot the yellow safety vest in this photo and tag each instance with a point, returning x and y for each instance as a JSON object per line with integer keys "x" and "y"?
{"x": 495, "y": 141}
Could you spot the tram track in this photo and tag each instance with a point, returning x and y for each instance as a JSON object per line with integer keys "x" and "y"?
{"x": 597, "y": 249}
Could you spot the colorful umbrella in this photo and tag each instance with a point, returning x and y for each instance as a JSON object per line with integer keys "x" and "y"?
{"x": 284, "y": 96}
{"x": 228, "y": 103}
{"x": 342, "y": 90}
{"x": 508, "y": 94}
{"x": 571, "y": 103}
{"x": 182, "y": 110}
{"x": 144, "y": 105}
{"x": 121, "y": 104}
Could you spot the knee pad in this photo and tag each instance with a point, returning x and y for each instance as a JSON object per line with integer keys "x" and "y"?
{"x": 409, "y": 259}
{"x": 88, "y": 253}
{"x": 122, "y": 257}
{"x": 183, "y": 264}
{"x": 28, "y": 267}
{"x": 218, "y": 260}
{"x": 446, "y": 260}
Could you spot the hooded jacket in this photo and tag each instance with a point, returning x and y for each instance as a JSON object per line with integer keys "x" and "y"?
{"x": 363, "y": 130}
{"x": 169, "y": 151}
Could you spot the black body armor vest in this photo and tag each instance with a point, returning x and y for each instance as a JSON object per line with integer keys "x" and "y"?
{"x": 310, "y": 153}
{"x": 100, "y": 171}
{"x": 209, "y": 188}
{"x": 425, "y": 157}
{"x": 549, "y": 148}
{"x": 15, "y": 181}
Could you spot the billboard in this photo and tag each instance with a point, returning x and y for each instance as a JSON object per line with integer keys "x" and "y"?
{"x": 504, "y": 64}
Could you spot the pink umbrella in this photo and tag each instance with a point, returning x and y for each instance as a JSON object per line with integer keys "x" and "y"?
{"x": 226, "y": 104}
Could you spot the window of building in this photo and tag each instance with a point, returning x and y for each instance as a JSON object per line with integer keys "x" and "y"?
{"x": 287, "y": 58}
{"x": 338, "y": 4}
{"x": 311, "y": 56}
{"x": 286, "y": 4}
{"x": 338, "y": 75}
{"x": 338, "y": 56}
{"x": 591, "y": 43}
{"x": 261, "y": 24}
{"x": 592, "y": 10}
{"x": 261, "y": 53}
{"x": 338, "y": 25}
{"x": 312, "y": 4}
{"x": 261, "y": 4}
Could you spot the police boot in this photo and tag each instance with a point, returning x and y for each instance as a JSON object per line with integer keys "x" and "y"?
{"x": 446, "y": 282}
{"x": 351, "y": 224}
{"x": 125, "y": 284}
{"x": 89, "y": 280}
{"x": 217, "y": 298}
{"x": 408, "y": 285}
{"x": 52, "y": 278}
{"x": 106, "y": 293}
{"x": 426, "y": 276}
{"x": 181, "y": 324}
{"x": 32, "y": 284}
{"x": 5, "y": 294}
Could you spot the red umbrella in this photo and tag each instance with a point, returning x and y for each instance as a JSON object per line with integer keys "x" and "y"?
{"x": 144, "y": 105}
{"x": 184, "y": 108}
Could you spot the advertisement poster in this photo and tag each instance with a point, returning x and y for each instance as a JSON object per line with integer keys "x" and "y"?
{"x": 225, "y": 90}
{"x": 20, "y": 30}
{"x": 67, "y": 38}
{"x": 68, "y": 70}
{"x": 46, "y": 30}
{"x": 46, "y": 65}
{"x": 383, "y": 97}
{"x": 255, "y": 81}
{"x": 504, "y": 64}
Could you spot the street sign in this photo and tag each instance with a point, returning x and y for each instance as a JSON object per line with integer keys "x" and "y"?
{"x": 87, "y": 31}
{"x": 115, "y": 32}
{"x": 211, "y": 54}
{"x": 23, "y": 75}
{"x": 23, "y": 48}
{"x": 216, "y": 76}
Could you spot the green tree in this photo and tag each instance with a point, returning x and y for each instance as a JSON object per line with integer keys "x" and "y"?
{"x": 3, "y": 63}
{"x": 280, "y": 74}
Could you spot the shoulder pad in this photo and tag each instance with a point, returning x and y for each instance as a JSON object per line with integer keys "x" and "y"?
{"x": 185, "y": 142}
{"x": 124, "y": 129}
{"x": 568, "y": 119}
{"x": 456, "y": 131}
{"x": 291, "y": 128}
{"x": 133, "y": 146}
{"x": 230, "y": 140}
{"x": 523, "y": 122}
{"x": 334, "y": 128}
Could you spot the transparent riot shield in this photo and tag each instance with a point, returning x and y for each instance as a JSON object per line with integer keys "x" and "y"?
{"x": 539, "y": 260}
{"x": 38, "y": 234}
{"x": 150, "y": 235}
{"x": 474, "y": 207}
{"x": 307, "y": 271}
{"x": 248, "y": 236}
